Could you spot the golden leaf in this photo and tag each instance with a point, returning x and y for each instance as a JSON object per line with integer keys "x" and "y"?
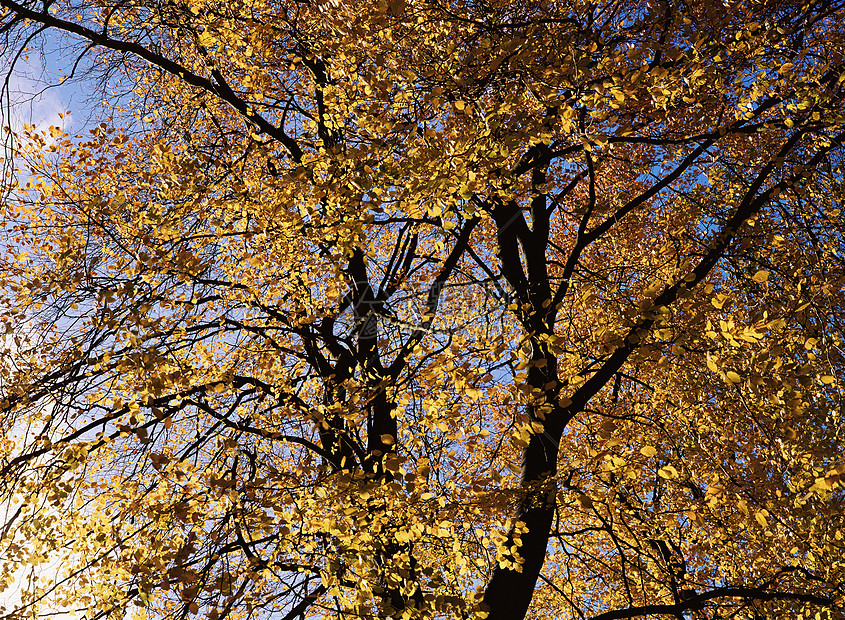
{"x": 668, "y": 472}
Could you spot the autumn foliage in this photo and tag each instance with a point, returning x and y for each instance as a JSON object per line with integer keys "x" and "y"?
{"x": 417, "y": 309}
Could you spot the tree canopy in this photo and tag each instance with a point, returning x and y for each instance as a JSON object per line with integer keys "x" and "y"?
{"x": 428, "y": 309}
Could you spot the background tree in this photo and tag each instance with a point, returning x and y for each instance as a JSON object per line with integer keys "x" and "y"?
{"x": 430, "y": 309}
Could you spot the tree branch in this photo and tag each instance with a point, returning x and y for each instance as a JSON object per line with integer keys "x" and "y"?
{"x": 697, "y": 601}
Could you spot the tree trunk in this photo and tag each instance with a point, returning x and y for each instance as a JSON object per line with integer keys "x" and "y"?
{"x": 509, "y": 592}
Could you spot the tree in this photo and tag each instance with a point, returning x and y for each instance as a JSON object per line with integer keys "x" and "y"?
{"x": 420, "y": 309}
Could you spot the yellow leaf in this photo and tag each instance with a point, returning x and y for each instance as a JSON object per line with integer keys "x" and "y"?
{"x": 733, "y": 377}
{"x": 668, "y": 472}
{"x": 761, "y": 276}
{"x": 473, "y": 394}
{"x": 719, "y": 301}
{"x": 648, "y": 451}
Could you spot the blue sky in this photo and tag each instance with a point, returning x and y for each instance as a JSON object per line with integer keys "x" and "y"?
{"x": 34, "y": 92}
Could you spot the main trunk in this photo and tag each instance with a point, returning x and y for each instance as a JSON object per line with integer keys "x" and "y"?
{"x": 509, "y": 591}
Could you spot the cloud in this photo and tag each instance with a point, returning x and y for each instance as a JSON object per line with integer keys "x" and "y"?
{"x": 29, "y": 95}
